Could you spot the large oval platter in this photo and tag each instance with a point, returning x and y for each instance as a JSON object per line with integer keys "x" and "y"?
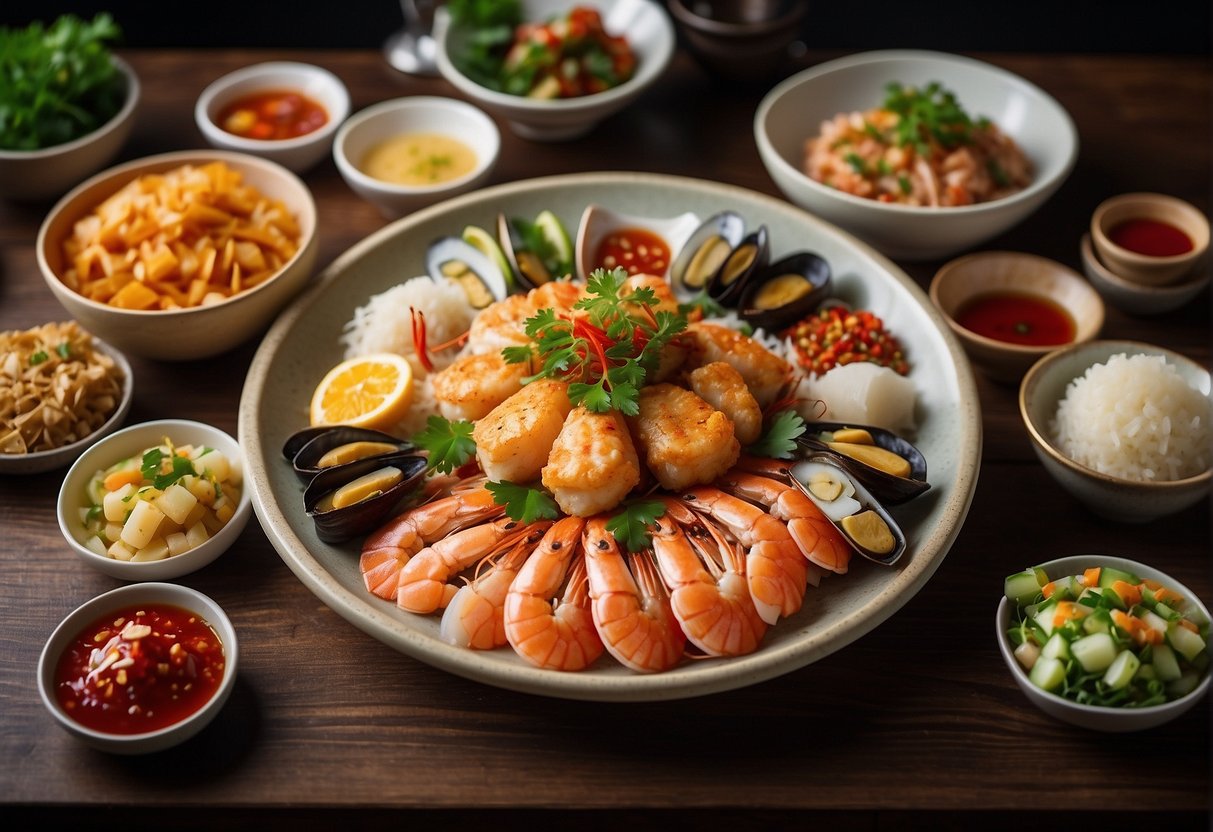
{"x": 303, "y": 344}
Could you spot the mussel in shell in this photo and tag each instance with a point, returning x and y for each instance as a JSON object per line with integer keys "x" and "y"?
{"x": 890, "y": 467}
{"x": 785, "y": 291}
{"x": 704, "y": 253}
{"x": 521, "y": 241}
{"x": 313, "y": 450}
{"x": 747, "y": 259}
{"x": 351, "y": 499}
{"x": 865, "y": 524}
{"x": 457, "y": 260}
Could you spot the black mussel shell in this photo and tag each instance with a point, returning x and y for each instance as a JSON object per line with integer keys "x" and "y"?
{"x": 704, "y": 253}
{"x": 457, "y": 260}
{"x": 342, "y": 524}
{"x": 866, "y": 500}
{"x": 529, "y": 268}
{"x": 786, "y": 291}
{"x": 306, "y": 447}
{"x": 749, "y": 258}
{"x": 890, "y": 489}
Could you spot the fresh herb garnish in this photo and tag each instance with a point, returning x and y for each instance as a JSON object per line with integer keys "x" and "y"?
{"x": 903, "y": 182}
{"x": 606, "y": 354}
{"x": 927, "y": 115}
{"x": 856, "y": 162}
{"x": 522, "y": 503}
{"x": 535, "y": 241}
{"x": 997, "y": 173}
{"x": 57, "y": 83}
{"x": 631, "y": 526}
{"x": 153, "y": 463}
{"x": 779, "y": 441}
{"x": 491, "y": 25}
{"x": 449, "y": 444}
{"x": 38, "y": 358}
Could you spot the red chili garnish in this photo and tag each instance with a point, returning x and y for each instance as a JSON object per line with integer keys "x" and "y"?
{"x": 834, "y": 336}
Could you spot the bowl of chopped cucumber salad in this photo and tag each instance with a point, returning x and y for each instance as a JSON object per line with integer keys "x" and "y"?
{"x": 1105, "y": 643}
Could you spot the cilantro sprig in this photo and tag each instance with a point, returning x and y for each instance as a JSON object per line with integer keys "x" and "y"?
{"x": 926, "y": 115}
{"x": 152, "y": 466}
{"x": 631, "y": 526}
{"x": 449, "y": 444}
{"x": 779, "y": 440}
{"x": 523, "y": 503}
{"x": 606, "y": 354}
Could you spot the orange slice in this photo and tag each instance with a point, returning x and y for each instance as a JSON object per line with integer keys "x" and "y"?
{"x": 370, "y": 391}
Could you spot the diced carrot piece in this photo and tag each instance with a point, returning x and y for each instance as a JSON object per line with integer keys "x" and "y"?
{"x": 1066, "y": 611}
{"x": 1090, "y": 577}
{"x": 1188, "y": 625}
{"x": 1047, "y": 589}
{"x": 1167, "y": 596}
{"x": 1150, "y": 583}
{"x": 1128, "y": 593}
{"x": 118, "y": 479}
{"x": 1124, "y": 621}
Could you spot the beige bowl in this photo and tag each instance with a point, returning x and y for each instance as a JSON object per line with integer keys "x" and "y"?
{"x": 1115, "y": 498}
{"x": 1140, "y": 298}
{"x": 1143, "y": 268}
{"x": 49, "y": 172}
{"x": 181, "y": 334}
{"x": 973, "y": 275}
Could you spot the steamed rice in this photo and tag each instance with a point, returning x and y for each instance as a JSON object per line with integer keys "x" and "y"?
{"x": 1136, "y": 418}
{"x": 384, "y": 324}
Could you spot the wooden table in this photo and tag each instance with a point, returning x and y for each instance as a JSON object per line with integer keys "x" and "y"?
{"x": 917, "y": 719}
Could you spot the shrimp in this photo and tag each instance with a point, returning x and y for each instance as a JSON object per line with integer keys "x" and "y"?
{"x": 501, "y": 324}
{"x": 514, "y": 441}
{"x": 684, "y": 440}
{"x": 765, "y": 373}
{"x": 708, "y": 591}
{"x": 555, "y": 294}
{"x": 774, "y": 567}
{"x": 549, "y": 633}
{"x": 593, "y": 463}
{"x": 475, "y": 617}
{"x": 425, "y": 580}
{"x": 631, "y": 606}
{"x": 815, "y": 535}
{"x": 389, "y": 548}
{"x": 721, "y": 386}
{"x": 476, "y": 383}
{"x": 660, "y": 287}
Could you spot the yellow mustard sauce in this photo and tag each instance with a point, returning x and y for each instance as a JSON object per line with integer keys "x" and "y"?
{"x": 419, "y": 159}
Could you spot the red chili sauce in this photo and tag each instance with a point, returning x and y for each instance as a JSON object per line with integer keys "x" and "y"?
{"x": 637, "y": 250}
{"x": 272, "y": 115}
{"x": 1017, "y": 319}
{"x": 139, "y": 669}
{"x": 1152, "y": 238}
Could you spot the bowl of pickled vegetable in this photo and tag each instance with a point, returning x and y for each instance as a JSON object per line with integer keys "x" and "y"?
{"x": 1104, "y": 642}
{"x": 156, "y": 500}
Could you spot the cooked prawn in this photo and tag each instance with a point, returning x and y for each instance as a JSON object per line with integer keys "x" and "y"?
{"x": 683, "y": 439}
{"x": 474, "y": 384}
{"x": 514, "y": 440}
{"x": 475, "y": 616}
{"x": 552, "y": 633}
{"x": 721, "y": 386}
{"x": 555, "y": 294}
{"x": 708, "y": 591}
{"x": 425, "y": 580}
{"x": 390, "y": 547}
{"x": 765, "y": 373}
{"x": 593, "y": 463}
{"x": 630, "y": 604}
{"x": 499, "y": 325}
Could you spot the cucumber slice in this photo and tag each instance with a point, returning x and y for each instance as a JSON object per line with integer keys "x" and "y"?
{"x": 1022, "y": 587}
{"x": 1045, "y": 616}
{"x": 556, "y": 234}
{"x": 1122, "y": 670}
{"x": 1057, "y": 647}
{"x": 1184, "y": 685}
{"x": 1110, "y": 574}
{"x": 1184, "y": 642}
{"x": 1099, "y": 621}
{"x": 1095, "y": 652}
{"x": 1165, "y": 663}
{"x": 483, "y": 240}
{"x": 1154, "y": 621}
{"x": 1048, "y": 674}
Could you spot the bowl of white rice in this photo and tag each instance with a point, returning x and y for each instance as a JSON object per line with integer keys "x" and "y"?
{"x": 1123, "y": 426}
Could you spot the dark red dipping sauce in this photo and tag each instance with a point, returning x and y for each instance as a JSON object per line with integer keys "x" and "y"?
{"x": 1017, "y": 318}
{"x": 637, "y": 250}
{"x": 1152, "y": 238}
{"x": 139, "y": 669}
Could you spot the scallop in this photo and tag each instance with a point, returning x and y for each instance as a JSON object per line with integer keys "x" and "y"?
{"x": 865, "y": 524}
{"x": 704, "y": 253}
{"x": 747, "y": 259}
{"x": 457, "y": 260}
{"x": 349, "y": 500}
{"x": 306, "y": 450}
{"x": 785, "y": 291}
{"x": 597, "y": 222}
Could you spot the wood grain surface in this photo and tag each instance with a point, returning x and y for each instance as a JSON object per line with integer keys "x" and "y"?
{"x": 916, "y": 725}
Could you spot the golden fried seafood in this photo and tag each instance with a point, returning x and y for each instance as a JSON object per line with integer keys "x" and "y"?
{"x": 514, "y": 441}
{"x": 555, "y": 294}
{"x": 764, "y": 372}
{"x": 683, "y": 439}
{"x": 723, "y": 388}
{"x": 475, "y": 384}
{"x": 593, "y": 464}
{"x": 500, "y": 325}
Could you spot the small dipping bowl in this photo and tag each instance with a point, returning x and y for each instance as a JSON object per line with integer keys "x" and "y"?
{"x": 153, "y": 595}
{"x": 1140, "y": 298}
{"x": 986, "y": 273}
{"x": 739, "y": 39}
{"x": 1160, "y": 211}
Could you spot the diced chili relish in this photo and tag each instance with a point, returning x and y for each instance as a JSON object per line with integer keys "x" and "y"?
{"x": 566, "y": 57}
{"x": 835, "y": 335}
{"x": 139, "y": 669}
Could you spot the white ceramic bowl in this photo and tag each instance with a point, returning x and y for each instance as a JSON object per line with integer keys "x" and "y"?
{"x": 298, "y": 154}
{"x": 1143, "y": 268}
{"x": 49, "y": 172}
{"x": 647, "y": 28}
{"x": 129, "y": 442}
{"x": 794, "y": 110}
{"x": 417, "y": 114}
{"x": 985, "y": 272}
{"x": 1114, "y": 498}
{"x": 1140, "y": 298}
{"x": 148, "y": 593}
{"x": 1095, "y": 717}
{"x": 41, "y": 461}
{"x": 182, "y": 334}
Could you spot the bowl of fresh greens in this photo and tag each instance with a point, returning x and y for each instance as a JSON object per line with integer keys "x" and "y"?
{"x": 67, "y": 104}
{"x": 552, "y": 69}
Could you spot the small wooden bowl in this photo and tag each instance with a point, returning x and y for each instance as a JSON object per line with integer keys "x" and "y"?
{"x": 1144, "y": 268}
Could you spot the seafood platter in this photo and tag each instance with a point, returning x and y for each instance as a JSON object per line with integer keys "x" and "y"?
{"x": 630, "y": 542}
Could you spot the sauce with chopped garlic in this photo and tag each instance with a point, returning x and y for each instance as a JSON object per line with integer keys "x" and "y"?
{"x": 139, "y": 669}
{"x": 636, "y": 250}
